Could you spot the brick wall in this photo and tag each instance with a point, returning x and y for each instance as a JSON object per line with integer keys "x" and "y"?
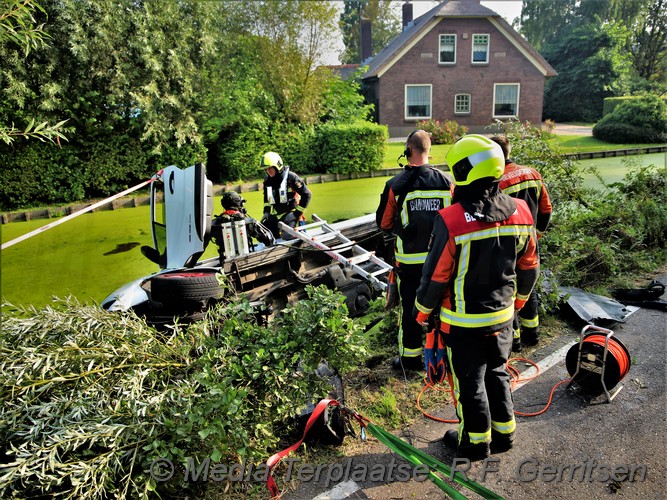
{"x": 419, "y": 65}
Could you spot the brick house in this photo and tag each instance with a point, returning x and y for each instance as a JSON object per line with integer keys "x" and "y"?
{"x": 459, "y": 61}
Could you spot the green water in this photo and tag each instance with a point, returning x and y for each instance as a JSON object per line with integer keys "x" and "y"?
{"x": 92, "y": 255}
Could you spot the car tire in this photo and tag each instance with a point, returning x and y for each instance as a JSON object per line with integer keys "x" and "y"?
{"x": 180, "y": 290}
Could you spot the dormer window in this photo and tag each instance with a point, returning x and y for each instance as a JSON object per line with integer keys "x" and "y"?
{"x": 447, "y": 49}
{"x": 480, "y": 49}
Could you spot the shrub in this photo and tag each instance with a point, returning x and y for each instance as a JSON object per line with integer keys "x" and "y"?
{"x": 356, "y": 147}
{"x": 637, "y": 120}
{"x": 445, "y": 132}
{"x": 92, "y": 398}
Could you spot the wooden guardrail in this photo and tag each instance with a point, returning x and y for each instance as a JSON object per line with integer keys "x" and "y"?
{"x": 48, "y": 213}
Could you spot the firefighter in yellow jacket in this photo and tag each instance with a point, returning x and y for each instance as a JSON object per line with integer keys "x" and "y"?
{"x": 481, "y": 267}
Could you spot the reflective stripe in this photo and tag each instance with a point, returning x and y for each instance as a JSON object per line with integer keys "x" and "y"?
{"x": 476, "y": 320}
{"x": 411, "y": 353}
{"x": 504, "y": 427}
{"x": 479, "y": 437}
{"x": 522, "y": 297}
{"x": 423, "y": 309}
{"x": 445, "y": 196}
{"x": 530, "y": 322}
{"x": 411, "y": 258}
{"x": 524, "y": 185}
{"x": 477, "y": 158}
{"x": 494, "y": 232}
{"x": 517, "y": 333}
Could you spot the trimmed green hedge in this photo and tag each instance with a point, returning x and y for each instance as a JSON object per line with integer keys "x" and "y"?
{"x": 610, "y": 103}
{"x": 336, "y": 148}
{"x": 640, "y": 120}
{"x": 36, "y": 173}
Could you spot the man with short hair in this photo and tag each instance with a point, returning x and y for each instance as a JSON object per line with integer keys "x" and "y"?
{"x": 407, "y": 208}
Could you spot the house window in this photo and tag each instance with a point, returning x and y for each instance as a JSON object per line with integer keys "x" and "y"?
{"x": 462, "y": 104}
{"x": 417, "y": 102}
{"x": 480, "y": 48}
{"x": 447, "y": 49}
{"x": 506, "y": 99}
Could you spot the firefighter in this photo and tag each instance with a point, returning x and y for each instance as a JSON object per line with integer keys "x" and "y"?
{"x": 407, "y": 208}
{"x": 526, "y": 183}
{"x": 235, "y": 211}
{"x": 286, "y": 196}
{"x": 482, "y": 265}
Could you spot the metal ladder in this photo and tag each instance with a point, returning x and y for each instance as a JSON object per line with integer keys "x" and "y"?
{"x": 316, "y": 233}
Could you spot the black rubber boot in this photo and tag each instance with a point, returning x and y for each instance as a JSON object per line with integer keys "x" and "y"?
{"x": 473, "y": 452}
{"x": 500, "y": 443}
{"x": 414, "y": 363}
{"x": 529, "y": 336}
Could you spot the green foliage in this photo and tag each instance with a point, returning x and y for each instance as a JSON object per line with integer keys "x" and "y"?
{"x": 445, "y": 132}
{"x": 610, "y": 103}
{"x": 530, "y": 147}
{"x": 357, "y": 147}
{"x": 34, "y": 174}
{"x": 344, "y": 102}
{"x": 91, "y": 398}
{"x": 639, "y": 120}
{"x": 592, "y": 64}
{"x": 617, "y": 234}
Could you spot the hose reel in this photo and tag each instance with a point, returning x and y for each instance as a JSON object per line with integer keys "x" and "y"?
{"x": 598, "y": 362}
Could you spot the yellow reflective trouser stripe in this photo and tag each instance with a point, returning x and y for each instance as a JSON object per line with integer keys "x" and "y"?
{"x": 479, "y": 437}
{"x": 504, "y": 427}
{"x": 517, "y": 333}
{"x": 411, "y": 353}
{"x": 530, "y": 322}
{"x": 476, "y": 320}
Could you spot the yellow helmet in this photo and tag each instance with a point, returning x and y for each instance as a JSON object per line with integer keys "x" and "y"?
{"x": 474, "y": 157}
{"x": 272, "y": 159}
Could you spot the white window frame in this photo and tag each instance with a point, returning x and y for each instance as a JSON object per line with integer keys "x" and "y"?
{"x": 488, "y": 48}
{"x": 518, "y": 99}
{"x": 456, "y": 110}
{"x": 440, "y": 48}
{"x": 430, "y": 101}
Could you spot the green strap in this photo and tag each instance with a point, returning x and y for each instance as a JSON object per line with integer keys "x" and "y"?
{"x": 416, "y": 457}
{"x": 410, "y": 457}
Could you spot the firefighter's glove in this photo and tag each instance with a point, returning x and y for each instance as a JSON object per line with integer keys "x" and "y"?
{"x": 265, "y": 218}
{"x": 393, "y": 298}
{"x": 519, "y": 303}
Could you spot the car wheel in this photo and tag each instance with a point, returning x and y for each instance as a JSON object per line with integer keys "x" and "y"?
{"x": 185, "y": 288}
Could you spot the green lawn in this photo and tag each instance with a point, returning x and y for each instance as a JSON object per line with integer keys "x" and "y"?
{"x": 586, "y": 143}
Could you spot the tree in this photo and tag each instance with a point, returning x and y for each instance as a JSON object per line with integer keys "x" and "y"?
{"x": 18, "y": 28}
{"x": 385, "y": 25}
{"x": 649, "y": 50}
{"x": 592, "y": 64}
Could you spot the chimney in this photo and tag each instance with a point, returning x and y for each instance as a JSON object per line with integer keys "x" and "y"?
{"x": 407, "y": 14}
{"x": 366, "y": 40}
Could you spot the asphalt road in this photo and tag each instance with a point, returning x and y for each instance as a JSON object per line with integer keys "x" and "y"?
{"x": 581, "y": 447}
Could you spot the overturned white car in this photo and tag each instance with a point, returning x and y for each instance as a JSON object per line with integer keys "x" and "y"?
{"x": 269, "y": 276}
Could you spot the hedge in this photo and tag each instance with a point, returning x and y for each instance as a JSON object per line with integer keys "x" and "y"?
{"x": 36, "y": 173}
{"x": 610, "y": 103}
{"x": 639, "y": 120}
